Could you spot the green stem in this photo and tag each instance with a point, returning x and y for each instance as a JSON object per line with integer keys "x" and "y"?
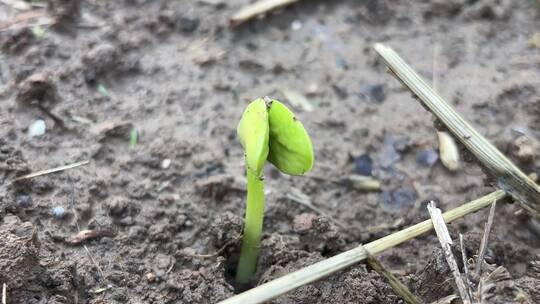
{"x": 247, "y": 264}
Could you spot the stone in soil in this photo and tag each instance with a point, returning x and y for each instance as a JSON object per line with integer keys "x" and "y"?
{"x": 363, "y": 165}
{"x": 401, "y": 198}
{"x": 37, "y": 128}
{"x": 374, "y": 92}
{"x": 58, "y": 212}
{"x": 388, "y": 154}
{"x": 427, "y": 157}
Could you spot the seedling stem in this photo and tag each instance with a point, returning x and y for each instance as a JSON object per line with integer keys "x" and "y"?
{"x": 247, "y": 265}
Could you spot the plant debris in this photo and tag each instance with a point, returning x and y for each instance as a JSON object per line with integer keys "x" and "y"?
{"x": 86, "y": 235}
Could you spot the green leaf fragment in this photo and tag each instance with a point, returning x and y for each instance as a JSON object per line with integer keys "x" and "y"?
{"x": 133, "y": 138}
{"x": 38, "y": 31}
{"x": 103, "y": 90}
{"x": 253, "y": 131}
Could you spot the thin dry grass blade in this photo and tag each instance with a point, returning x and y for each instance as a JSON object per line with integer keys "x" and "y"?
{"x": 399, "y": 288}
{"x": 465, "y": 268}
{"x": 485, "y": 239}
{"x": 53, "y": 170}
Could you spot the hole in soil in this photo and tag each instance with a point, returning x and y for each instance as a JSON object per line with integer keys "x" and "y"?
{"x": 327, "y": 252}
{"x": 231, "y": 274}
{"x": 231, "y": 257}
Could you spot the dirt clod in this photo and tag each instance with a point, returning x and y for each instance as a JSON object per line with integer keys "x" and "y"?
{"x": 24, "y": 272}
{"x": 37, "y": 88}
{"x": 524, "y": 149}
{"x": 65, "y": 12}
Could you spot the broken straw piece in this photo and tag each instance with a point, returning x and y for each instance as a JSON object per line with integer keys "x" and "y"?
{"x": 446, "y": 243}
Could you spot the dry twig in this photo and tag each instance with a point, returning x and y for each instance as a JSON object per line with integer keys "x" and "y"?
{"x": 485, "y": 238}
{"x": 85, "y": 235}
{"x": 258, "y": 8}
{"x": 49, "y": 171}
{"x": 446, "y": 244}
{"x": 4, "y": 293}
{"x": 400, "y": 289}
{"x": 465, "y": 268}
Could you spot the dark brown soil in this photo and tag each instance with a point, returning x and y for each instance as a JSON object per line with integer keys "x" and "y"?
{"x": 174, "y": 72}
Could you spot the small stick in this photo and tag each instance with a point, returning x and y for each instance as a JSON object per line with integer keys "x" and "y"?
{"x": 258, "y": 8}
{"x": 85, "y": 235}
{"x": 485, "y": 239}
{"x": 394, "y": 282}
{"x": 446, "y": 244}
{"x": 49, "y": 171}
{"x": 507, "y": 175}
{"x": 465, "y": 268}
{"x": 291, "y": 281}
{"x": 4, "y": 293}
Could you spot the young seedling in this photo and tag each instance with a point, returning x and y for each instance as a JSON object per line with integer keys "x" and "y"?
{"x": 268, "y": 130}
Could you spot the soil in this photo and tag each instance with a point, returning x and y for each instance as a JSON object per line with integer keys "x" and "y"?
{"x": 165, "y": 213}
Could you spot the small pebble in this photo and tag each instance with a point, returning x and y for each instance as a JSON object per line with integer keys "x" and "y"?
{"x": 188, "y": 24}
{"x": 400, "y": 198}
{"x": 296, "y": 25}
{"x": 402, "y": 143}
{"x": 24, "y": 201}
{"x": 363, "y": 165}
{"x": 166, "y": 163}
{"x": 524, "y": 149}
{"x": 427, "y": 157}
{"x": 388, "y": 154}
{"x": 37, "y": 128}
{"x": 151, "y": 277}
{"x": 375, "y": 92}
{"x": 303, "y": 222}
{"x": 58, "y": 212}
